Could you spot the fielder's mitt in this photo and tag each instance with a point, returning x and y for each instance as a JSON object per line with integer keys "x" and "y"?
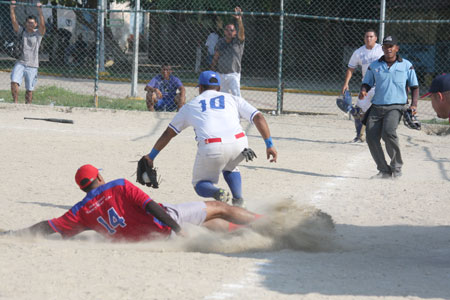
{"x": 249, "y": 154}
{"x": 410, "y": 120}
{"x": 5, "y": 233}
{"x": 146, "y": 174}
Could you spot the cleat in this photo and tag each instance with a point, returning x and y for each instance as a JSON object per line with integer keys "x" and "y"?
{"x": 239, "y": 202}
{"x": 382, "y": 175}
{"x": 222, "y": 196}
{"x": 396, "y": 174}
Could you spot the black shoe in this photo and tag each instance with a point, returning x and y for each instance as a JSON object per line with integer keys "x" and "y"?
{"x": 222, "y": 196}
{"x": 238, "y": 202}
{"x": 396, "y": 174}
{"x": 382, "y": 175}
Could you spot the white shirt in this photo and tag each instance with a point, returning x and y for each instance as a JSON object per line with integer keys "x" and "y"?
{"x": 364, "y": 57}
{"x": 214, "y": 115}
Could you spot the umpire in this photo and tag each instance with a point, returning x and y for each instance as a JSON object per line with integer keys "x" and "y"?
{"x": 392, "y": 75}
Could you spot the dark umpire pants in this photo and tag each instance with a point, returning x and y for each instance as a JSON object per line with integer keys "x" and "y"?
{"x": 382, "y": 122}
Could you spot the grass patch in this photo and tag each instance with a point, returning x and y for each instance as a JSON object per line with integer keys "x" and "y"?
{"x": 62, "y": 97}
{"x": 436, "y": 121}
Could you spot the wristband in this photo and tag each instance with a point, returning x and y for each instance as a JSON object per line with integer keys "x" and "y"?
{"x": 269, "y": 143}
{"x": 153, "y": 154}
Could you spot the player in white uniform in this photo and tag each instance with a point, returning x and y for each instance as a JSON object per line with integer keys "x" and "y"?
{"x": 363, "y": 57}
{"x": 221, "y": 141}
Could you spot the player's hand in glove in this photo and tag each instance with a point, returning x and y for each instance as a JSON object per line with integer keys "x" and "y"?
{"x": 249, "y": 154}
{"x": 146, "y": 173}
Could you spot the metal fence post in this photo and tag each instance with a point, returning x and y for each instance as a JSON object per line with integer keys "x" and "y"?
{"x": 134, "y": 75}
{"x": 280, "y": 61}
{"x": 97, "y": 51}
{"x": 382, "y": 18}
{"x": 102, "y": 36}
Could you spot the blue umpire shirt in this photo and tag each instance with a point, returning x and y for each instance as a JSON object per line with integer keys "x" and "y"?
{"x": 391, "y": 82}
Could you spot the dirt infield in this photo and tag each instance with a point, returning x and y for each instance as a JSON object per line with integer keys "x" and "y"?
{"x": 391, "y": 238}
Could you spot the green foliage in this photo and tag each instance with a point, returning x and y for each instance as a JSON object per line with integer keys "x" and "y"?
{"x": 436, "y": 121}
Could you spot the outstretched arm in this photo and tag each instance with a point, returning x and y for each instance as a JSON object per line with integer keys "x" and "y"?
{"x": 41, "y": 228}
{"x": 14, "y": 22}
{"x": 162, "y": 142}
{"x": 238, "y": 17}
{"x": 41, "y": 19}
{"x": 263, "y": 128}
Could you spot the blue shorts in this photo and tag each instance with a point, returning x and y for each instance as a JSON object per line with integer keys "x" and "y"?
{"x": 19, "y": 71}
{"x": 161, "y": 105}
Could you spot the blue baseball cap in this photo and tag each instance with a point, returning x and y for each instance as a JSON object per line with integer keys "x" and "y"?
{"x": 440, "y": 84}
{"x": 206, "y": 76}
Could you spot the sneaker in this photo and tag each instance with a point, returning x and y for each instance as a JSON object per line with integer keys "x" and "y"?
{"x": 222, "y": 196}
{"x": 396, "y": 174}
{"x": 357, "y": 140}
{"x": 239, "y": 202}
{"x": 381, "y": 175}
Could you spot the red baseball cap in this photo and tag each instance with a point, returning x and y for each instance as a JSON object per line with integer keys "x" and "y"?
{"x": 86, "y": 175}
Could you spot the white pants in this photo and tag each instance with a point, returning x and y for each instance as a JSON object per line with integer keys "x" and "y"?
{"x": 230, "y": 83}
{"x": 214, "y": 158}
{"x": 365, "y": 103}
{"x": 186, "y": 213}
{"x": 189, "y": 212}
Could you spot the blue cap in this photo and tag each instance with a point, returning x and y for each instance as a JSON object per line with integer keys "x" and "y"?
{"x": 206, "y": 76}
{"x": 440, "y": 84}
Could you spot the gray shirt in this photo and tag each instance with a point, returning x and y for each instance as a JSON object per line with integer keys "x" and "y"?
{"x": 30, "y": 51}
{"x": 230, "y": 55}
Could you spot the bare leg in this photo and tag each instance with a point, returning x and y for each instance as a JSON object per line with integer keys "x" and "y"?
{"x": 28, "y": 97}
{"x": 15, "y": 91}
{"x": 150, "y": 100}
{"x": 234, "y": 214}
{"x": 217, "y": 225}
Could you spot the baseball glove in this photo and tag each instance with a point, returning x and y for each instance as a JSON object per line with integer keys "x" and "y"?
{"x": 410, "y": 120}
{"x": 345, "y": 103}
{"x": 249, "y": 154}
{"x": 146, "y": 174}
{"x": 7, "y": 232}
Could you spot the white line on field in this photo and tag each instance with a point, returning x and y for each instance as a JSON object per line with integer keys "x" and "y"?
{"x": 348, "y": 171}
{"x": 250, "y": 279}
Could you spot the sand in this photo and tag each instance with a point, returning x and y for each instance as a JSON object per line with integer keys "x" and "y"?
{"x": 332, "y": 233}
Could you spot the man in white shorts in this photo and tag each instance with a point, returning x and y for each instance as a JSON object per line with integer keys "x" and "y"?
{"x": 120, "y": 211}
{"x": 228, "y": 56}
{"x": 222, "y": 144}
{"x": 28, "y": 63}
{"x": 363, "y": 57}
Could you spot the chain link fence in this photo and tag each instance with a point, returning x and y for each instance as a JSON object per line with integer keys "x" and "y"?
{"x": 295, "y": 57}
